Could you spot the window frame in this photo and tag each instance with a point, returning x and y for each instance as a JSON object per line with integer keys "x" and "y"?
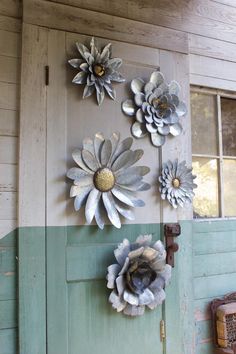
{"x": 220, "y": 157}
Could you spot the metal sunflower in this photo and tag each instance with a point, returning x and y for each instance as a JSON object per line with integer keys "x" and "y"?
{"x": 139, "y": 276}
{"x": 97, "y": 70}
{"x": 156, "y": 107}
{"x": 177, "y": 183}
{"x": 106, "y": 180}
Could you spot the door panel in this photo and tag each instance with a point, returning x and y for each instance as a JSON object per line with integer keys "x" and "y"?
{"x": 80, "y": 319}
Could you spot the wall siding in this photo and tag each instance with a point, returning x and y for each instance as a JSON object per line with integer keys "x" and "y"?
{"x": 10, "y": 38}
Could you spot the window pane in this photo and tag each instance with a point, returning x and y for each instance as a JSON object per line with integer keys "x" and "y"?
{"x": 229, "y": 187}
{"x": 204, "y": 124}
{"x": 228, "y": 112}
{"x": 205, "y": 202}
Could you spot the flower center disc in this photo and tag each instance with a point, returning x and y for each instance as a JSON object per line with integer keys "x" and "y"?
{"x": 99, "y": 70}
{"x": 176, "y": 183}
{"x": 104, "y": 179}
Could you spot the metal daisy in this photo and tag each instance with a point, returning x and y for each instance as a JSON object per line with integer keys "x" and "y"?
{"x": 177, "y": 183}
{"x": 139, "y": 276}
{"x": 156, "y": 108}
{"x": 97, "y": 70}
{"x": 106, "y": 180}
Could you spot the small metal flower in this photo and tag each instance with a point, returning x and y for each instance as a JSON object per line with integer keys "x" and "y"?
{"x": 97, "y": 70}
{"x": 156, "y": 108}
{"x": 139, "y": 276}
{"x": 177, "y": 183}
{"x": 106, "y": 180}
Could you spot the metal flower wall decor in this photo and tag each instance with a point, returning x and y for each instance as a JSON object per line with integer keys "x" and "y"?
{"x": 97, "y": 70}
{"x": 156, "y": 107}
{"x": 177, "y": 183}
{"x": 106, "y": 180}
{"x": 139, "y": 276}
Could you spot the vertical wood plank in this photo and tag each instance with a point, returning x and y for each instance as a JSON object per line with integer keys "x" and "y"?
{"x": 32, "y": 290}
{"x": 178, "y": 305}
{"x": 56, "y": 187}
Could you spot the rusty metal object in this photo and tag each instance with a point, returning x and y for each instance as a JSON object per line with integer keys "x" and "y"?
{"x": 224, "y": 319}
{"x": 171, "y": 231}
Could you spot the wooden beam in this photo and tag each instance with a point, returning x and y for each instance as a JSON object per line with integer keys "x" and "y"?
{"x": 68, "y": 18}
{"x": 10, "y": 24}
{"x": 10, "y": 8}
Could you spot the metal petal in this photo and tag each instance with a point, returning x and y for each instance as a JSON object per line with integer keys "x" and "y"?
{"x": 90, "y": 160}
{"x": 176, "y": 129}
{"x": 100, "y": 215}
{"x": 166, "y": 274}
{"x": 79, "y": 190}
{"x": 174, "y": 88}
{"x": 84, "y": 67}
{"x": 111, "y": 92}
{"x": 181, "y": 110}
{"x": 134, "y": 170}
{"x": 106, "y": 152}
{"x": 172, "y": 119}
{"x": 157, "y": 78}
{"x": 140, "y": 116}
{"x": 80, "y": 78}
{"x": 113, "y": 271}
{"x": 136, "y": 253}
{"x": 91, "y": 204}
{"x": 115, "y": 63}
{"x": 75, "y": 62}
{"x": 127, "y": 159}
{"x": 98, "y": 142}
{"x": 146, "y": 297}
{"x": 76, "y": 173}
{"x": 144, "y": 240}
{"x": 124, "y": 211}
{"x": 151, "y": 128}
{"x": 111, "y": 209}
{"x": 88, "y": 91}
{"x": 105, "y": 55}
{"x": 123, "y": 146}
{"x": 165, "y": 130}
{"x": 125, "y": 266}
{"x": 159, "y": 297}
{"x": 84, "y": 181}
{"x": 80, "y": 198}
{"x": 117, "y": 77}
{"x": 150, "y": 254}
{"x": 128, "y": 107}
{"x": 139, "y": 98}
{"x": 100, "y": 96}
{"x": 137, "y": 85}
{"x": 149, "y": 87}
{"x": 88, "y": 145}
{"x": 157, "y": 139}
{"x": 130, "y": 310}
{"x": 77, "y": 156}
{"x": 132, "y": 299}
{"x": 120, "y": 284}
{"x": 117, "y": 303}
{"x": 127, "y": 197}
{"x": 159, "y": 246}
{"x": 82, "y": 49}
{"x": 122, "y": 251}
{"x": 138, "y": 130}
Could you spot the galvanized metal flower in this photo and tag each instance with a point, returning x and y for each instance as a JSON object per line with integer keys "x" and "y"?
{"x": 139, "y": 276}
{"x": 106, "y": 180}
{"x": 177, "y": 183}
{"x": 156, "y": 108}
{"x": 97, "y": 70}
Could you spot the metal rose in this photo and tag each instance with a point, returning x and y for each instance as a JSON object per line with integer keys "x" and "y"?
{"x": 139, "y": 276}
{"x": 97, "y": 70}
{"x": 177, "y": 183}
{"x": 106, "y": 180}
{"x": 156, "y": 107}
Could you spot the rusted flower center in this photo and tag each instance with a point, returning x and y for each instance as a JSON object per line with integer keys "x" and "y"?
{"x": 99, "y": 70}
{"x": 139, "y": 276}
{"x": 176, "y": 182}
{"x": 104, "y": 179}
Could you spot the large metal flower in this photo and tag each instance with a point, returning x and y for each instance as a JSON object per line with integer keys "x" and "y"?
{"x": 97, "y": 70}
{"x": 156, "y": 107}
{"x": 106, "y": 180}
{"x": 177, "y": 183}
{"x": 139, "y": 276}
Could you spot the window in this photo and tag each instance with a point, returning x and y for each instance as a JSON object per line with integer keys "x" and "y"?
{"x": 214, "y": 153}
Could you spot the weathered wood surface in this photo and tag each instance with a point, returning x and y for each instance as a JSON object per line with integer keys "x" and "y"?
{"x": 69, "y": 18}
{"x": 11, "y": 8}
{"x": 10, "y": 24}
{"x": 10, "y": 43}
{"x": 8, "y": 122}
{"x": 8, "y": 178}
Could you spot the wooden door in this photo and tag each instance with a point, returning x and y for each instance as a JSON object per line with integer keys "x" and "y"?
{"x": 80, "y": 319}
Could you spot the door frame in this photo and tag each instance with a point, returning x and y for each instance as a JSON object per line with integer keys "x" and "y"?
{"x": 33, "y": 171}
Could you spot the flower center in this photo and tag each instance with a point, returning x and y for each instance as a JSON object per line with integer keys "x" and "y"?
{"x": 104, "y": 179}
{"x": 99, "y": 70}
{"x": 176, "y": 183}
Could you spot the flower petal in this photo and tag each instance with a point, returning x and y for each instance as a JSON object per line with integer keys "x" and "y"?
{"x": 80, "y": 78}
{"x": 159, "y": 297}
{"x": 122, "y": 251}
{"x": 77, "y": 156}
{"x": 131, "y": 298}
{"x": 176, "y": 129}
{"x": 135, "y": 170}
{"x": 82, "y": 49}
{"x": 113, "y": 271}
{"x": 146, "y": 297}
{"x": 88, "y": 145}
{"x": 140, "y": 116}
{"x": 139, "y": 98}
{"x": 124, "y": 211}
{"x": 120, "y": 285}
{"x": 117, "y": 303}
{"x": 157, "y": 139}
{"x": 127, "y": 197}
{"x": 181, "y": 110}
{"x": 123, "y": 146}
{"x": 106, "y": 152}
{"x": 117, "y": 77}
{"x": 111, "y": 92}
{"x": 127, "y": 159}
{"x": 80, "y": 190}
{"x": 157, "y": 78}
{"x": 137, "y": 85}
{"x": 100, "y": 95}
{"x": 91, "y": 204}
{"x": 144, "y": 240}
{"x": 128, "y": 107}
{"x": 81, "y": 197}
{"x": 111, "y": 209}
{"x": 76, "y": 173}
{"x": 114, "y": 63}
{"x": 151, "y": 128}
{"x": 138, "y": 130}
{"x": 88, "y": 91}
{"x": 165, "y": 130}
{"x": 98, "y": 142}
{"x": 90, "y": 160}
{"x": 174, "y": 88}
{"x": 105, "y": 55}
{"x": 75, "y": 62}
{"x": 100, "y": 213}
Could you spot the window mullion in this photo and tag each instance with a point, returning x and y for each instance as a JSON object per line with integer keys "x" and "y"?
{"x": 221, "y": 175}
